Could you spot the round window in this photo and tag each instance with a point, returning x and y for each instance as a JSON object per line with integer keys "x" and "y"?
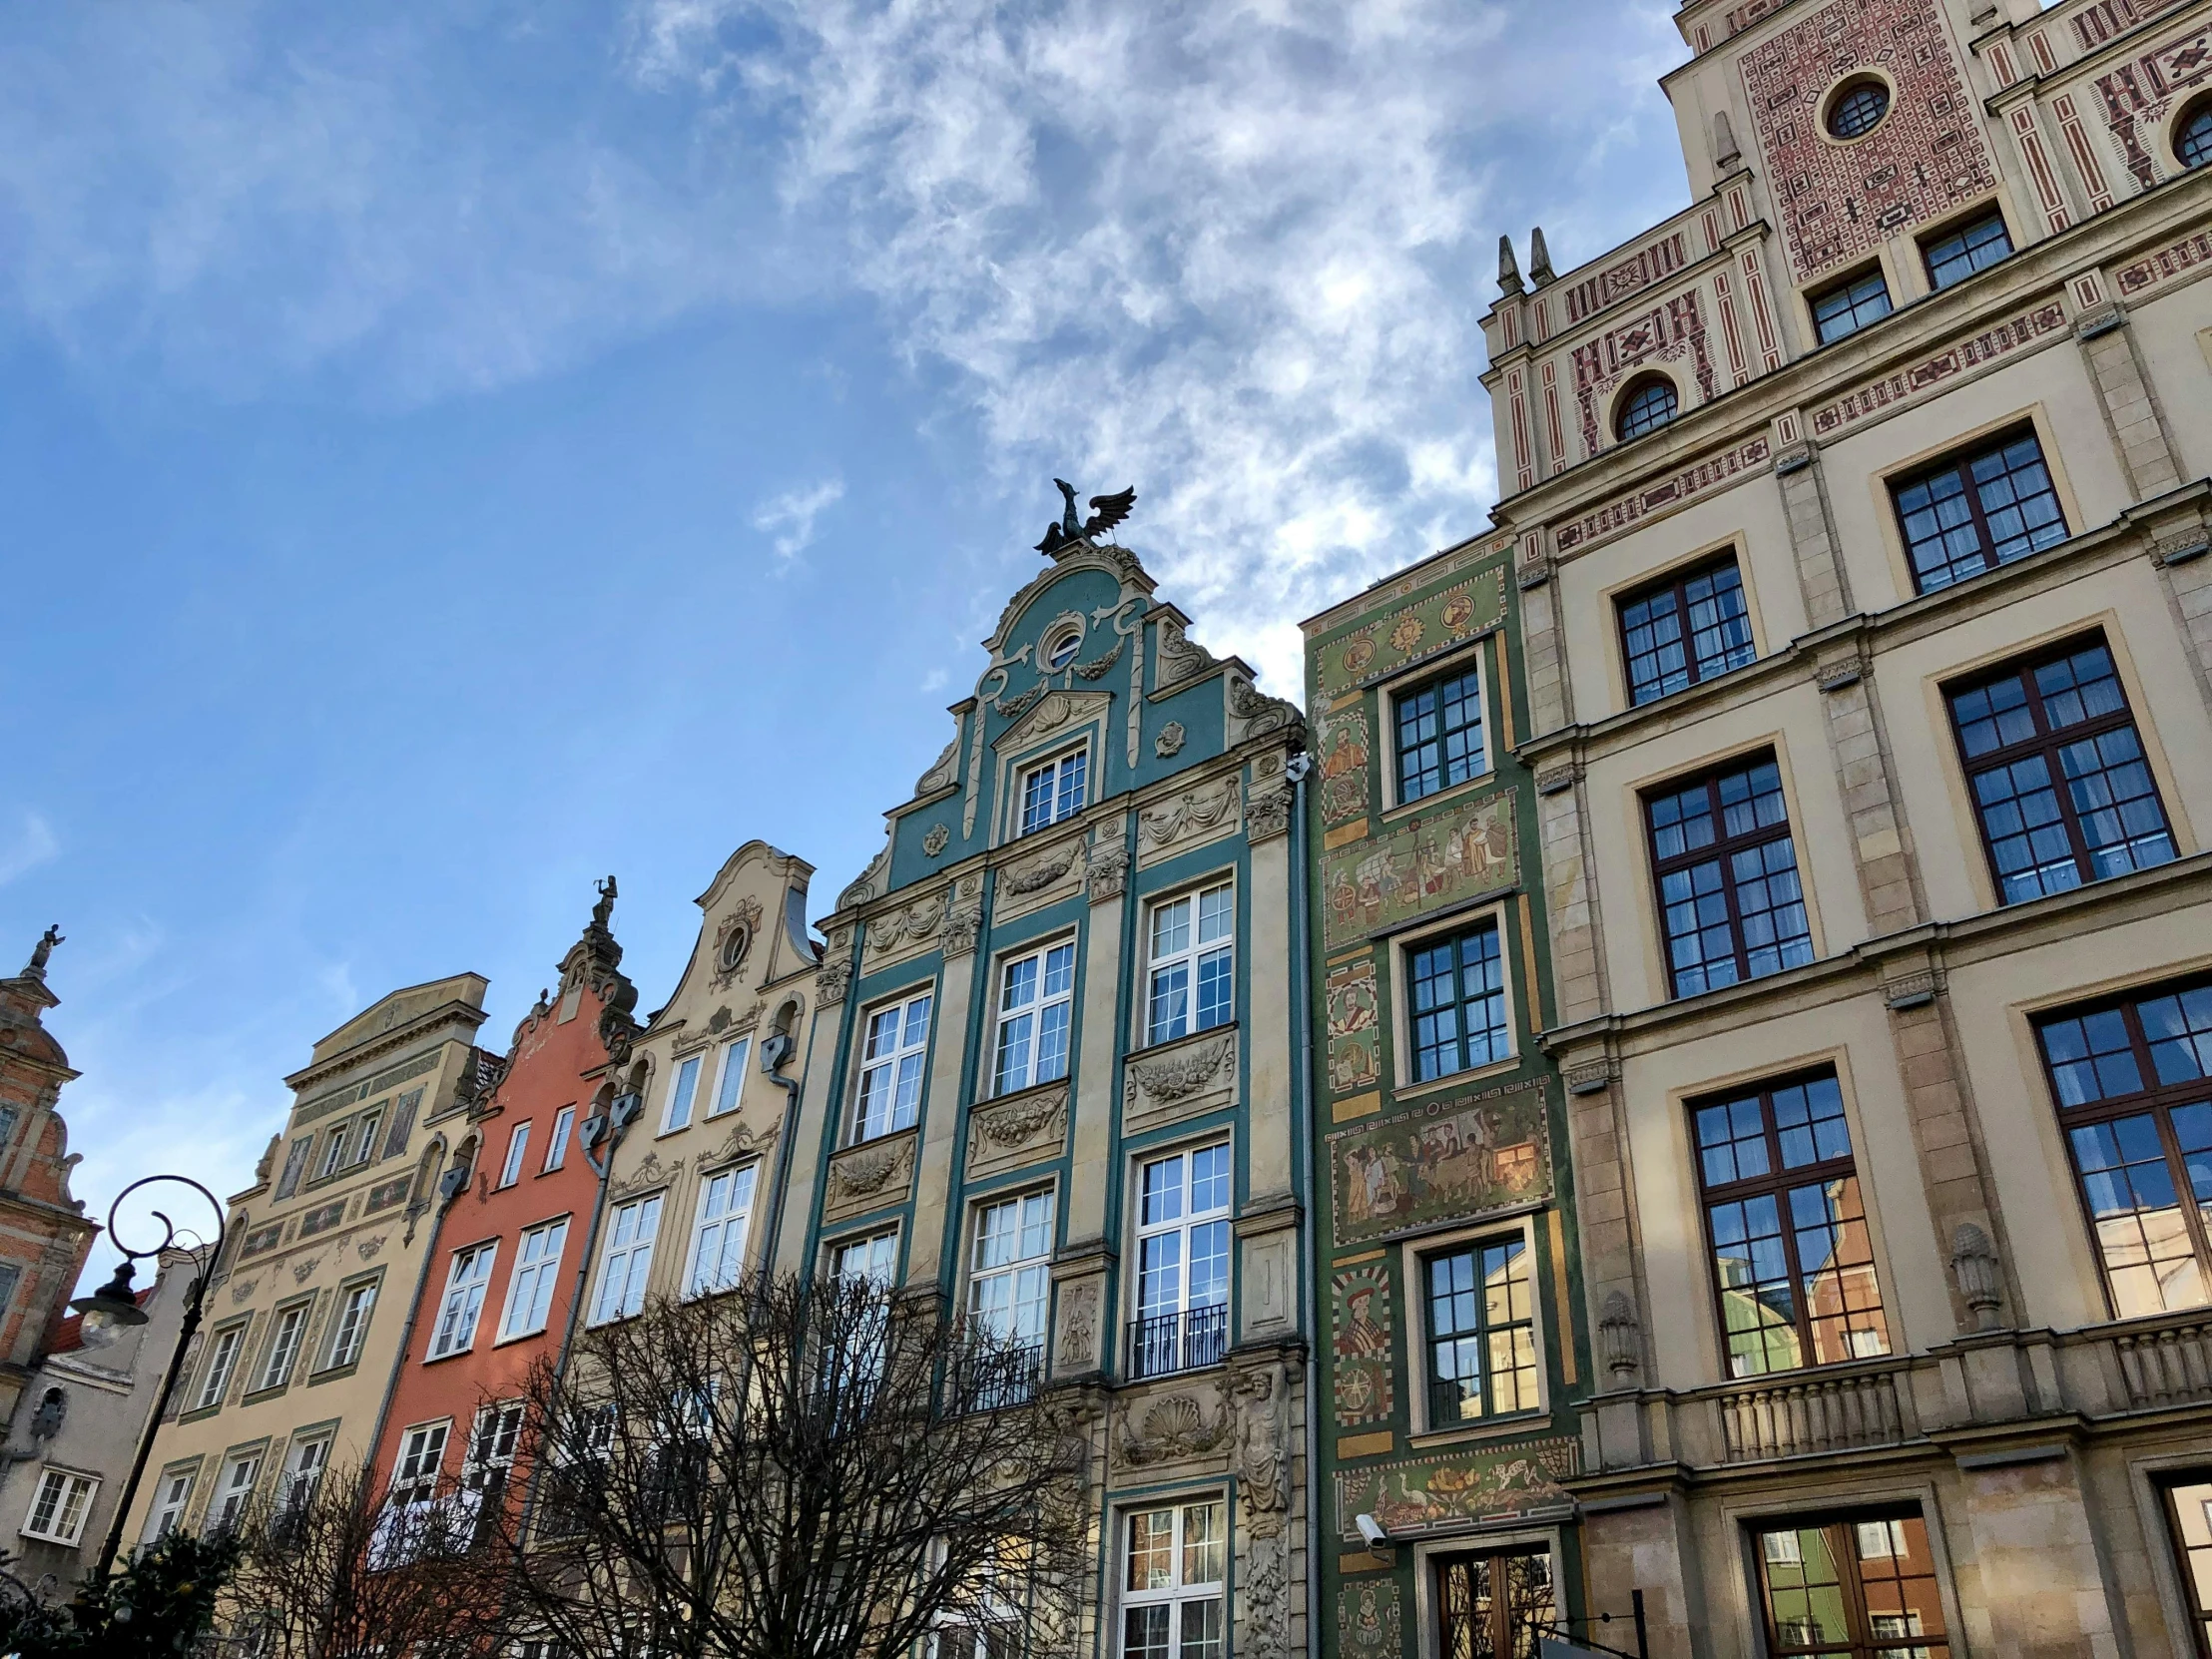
{"x": 734, "y": 947}
{"x": 1060, "y": 648}
{"x": 1646, "y": 409}
{"x": 1857, "y": 110}
{"x": 2193, "y": 138}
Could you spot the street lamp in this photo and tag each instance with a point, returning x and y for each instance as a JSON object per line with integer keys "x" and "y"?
{"x": 114, "y": 1308}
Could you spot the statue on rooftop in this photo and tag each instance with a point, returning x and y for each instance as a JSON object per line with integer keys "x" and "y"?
{"x": 1112, "y": 509}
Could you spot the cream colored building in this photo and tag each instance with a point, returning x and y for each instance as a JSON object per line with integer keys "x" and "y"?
{"x": 307, "y": 1312}
{"x": 691, "y": 1192}
{"x": 1862, "y": 520}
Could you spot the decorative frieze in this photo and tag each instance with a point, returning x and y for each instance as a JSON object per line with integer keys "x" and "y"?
{"x": 1941, "y": 366}
{"x": 871, "y": 1176}
{"x": 1624, "y": 511}
{"x": 1025, "y": 1128}
{"x": 1180, "y": 1081}
{"x": 1201, "y": 813}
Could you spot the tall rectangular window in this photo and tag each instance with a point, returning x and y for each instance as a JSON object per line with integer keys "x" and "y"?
{"x": 1730, "y": 904}
{"x": 171, "y": 1497}
{"x": 2133, "y": 1081}
{"x": 414, "y": 1479}
{"x": 2189, "y": 1516}
{"x": 730, "y": 1086}
{"x": 465, "y": 1283}
{"x": 556, "y": 1145}
{"x": 304, "y": 1472}
{"x": 1481, "y": 1304}
{"x": 1691, "y": 627}
{"x": 59, "y": 1506}
{"x": 1846, "y": 308}
{"x": 874, "y": 1258}
{"x": 678, "y": 1114}
{"x": 1439, "y": 735}
{"x": 365, "y": 1139}
{"x": 1959, "y": 252}
{"x": 891, "y": 1059}
{"x": 1173, "y": 1602}
{"x": 518, "y": 1147}
{"x": 1496, "y": 1603}
{"x": 1854, "y": 1589}
{"x": 717, "y": 1235}
{"x": 536, "y": 1275}
{"x": 1973, "y": 512}
{"x": 1036, "y": 998}
{"x": 1054, "y": 790}
{"x": 350, "y": 1329}
{"x": 334, "y": 1152}
{"x": 222, "y": 1357}
{"x": 2060, "y": 786}
{"x": 284, "y": 1346}
{"x": 629, "y": 1258}
{"x": 235, "y": 1491}
{"x": 1793, "y": 1266}
{"x": 1010, "y": 1276}
{"x": 1181, "y": 1262}
{"x": 1193, "y": 977}
{"x": 1459, "y": 1002}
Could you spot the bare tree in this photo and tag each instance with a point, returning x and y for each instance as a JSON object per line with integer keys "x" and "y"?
{"x": 798, "y": 1470}
{"x": 338, "y": 1568}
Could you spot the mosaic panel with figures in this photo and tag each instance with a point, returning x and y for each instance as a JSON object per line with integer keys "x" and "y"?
{"x": 1355, "y": 1028}
{"x": 1345, "y": 742}
{"x": 1360, "y": 1340}
{"x": 1842, "y": 200}
{"x": 1419, "y": 868}
{"x": 1369, "y": 1622}
{"x": 1414, "y": 1498}
{"x": 1405, "y": 636}
{"x": 1458, "y": 1159}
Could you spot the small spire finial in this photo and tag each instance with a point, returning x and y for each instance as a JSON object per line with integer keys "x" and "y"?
{"x": 1726, "y": 152}
{"x": 1539, "y": 257}
{"x": 1508, "y": 269}
{"x": 40, "y": 952}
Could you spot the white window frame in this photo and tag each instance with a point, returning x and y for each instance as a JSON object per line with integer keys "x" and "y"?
{"x": 723, "y": 1217}
{"x": 1191, "y": 956}
{"x": 304, "y": 1465}
{"x": 881, "y": 1243}
{"x": 556, "y": 1149}
{"x": 518, "y": 1148}
{"x": 730, "y": 1080}
{"x": 1057, "y": 769}
{"x": 1181, "y": 1225}
{"x": 233, "y": 1496}
{"x": 284, "y": 1341}
{"x": 347, "y": 1326}
{"x": 1180, "y": 1590}
{"x": 1036, "y": 1011}
{"x": 422, "y": 1460}
{"x": 1027, "y": 1272}
{"x": 533, "y": 1279}
{"x": 1412, "y": 1254}
{"x": 172, "y": 1501}
{"x": 222, "y": 1361}
{"x": 461, "y": 1309}
{"x": 627, "y": 1258}
{"x": 683, "y": 1093}
{"x": 364, "y": 1140}
{"x": 65, "y": 1516}
{"x": 892, "y": 1066}
{"x": 494, "y": 1438}
{"x": 334, "y": 1152}
{"x": 1404, "y": 947}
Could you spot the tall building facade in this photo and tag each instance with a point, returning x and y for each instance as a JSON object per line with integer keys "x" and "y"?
{"x": 307, "y": 1312}
{"x": 1055, "y": 1083}
{"x": 1452, "y": 1355}
{"x": 1859, "y": 515}
{"x": 507, "y": 1262}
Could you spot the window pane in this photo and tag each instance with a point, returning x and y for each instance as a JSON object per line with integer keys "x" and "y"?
{"x": 1972, "y": 248}
{"x": 1850, "y": 307}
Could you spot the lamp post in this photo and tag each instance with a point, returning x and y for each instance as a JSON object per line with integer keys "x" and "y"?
{"x": 113, "y": 1309}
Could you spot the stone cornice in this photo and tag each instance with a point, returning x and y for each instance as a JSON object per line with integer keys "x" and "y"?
{"x": 391, "y": 1042}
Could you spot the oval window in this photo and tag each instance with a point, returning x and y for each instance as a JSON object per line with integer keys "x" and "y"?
{"x": 734, "y": 947}
{"x": 1857, "y": 109}
{"x": 1646, "y": 409}
{"x": 1060, "y": 649}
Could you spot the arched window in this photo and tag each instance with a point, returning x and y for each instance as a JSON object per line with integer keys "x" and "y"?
{"x": 2193, "y": 138}
{"x": 1649, "y": 405}
{"x": 1857, "y": 109}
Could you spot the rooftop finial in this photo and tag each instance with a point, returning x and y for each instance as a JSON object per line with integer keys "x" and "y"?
{"x": 1112, "y": 509}
{"x": 36, "y": 968}
{"x": 1508, "y": 269}
{"x": 1726, "y": 152}
{"x": 1539, "y": 257}
{"x": 603, "y": 911}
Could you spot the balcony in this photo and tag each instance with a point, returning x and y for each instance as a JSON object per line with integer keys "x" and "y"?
{"x": 1177, "y": 1342}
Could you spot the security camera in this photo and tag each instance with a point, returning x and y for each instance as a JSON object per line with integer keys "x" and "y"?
{"x": 1371, "y": 1531}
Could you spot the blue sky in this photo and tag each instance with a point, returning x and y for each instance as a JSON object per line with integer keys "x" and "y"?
{"x": 450, "y": 451}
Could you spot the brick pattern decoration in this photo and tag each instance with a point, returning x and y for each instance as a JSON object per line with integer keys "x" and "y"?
{"x": 1839, "y": 200}
{"x": 2165, "y": 265}
{"x": 1876, "y": 396}
{"x": 2094, "y": 25}
{"x": 1670, "y": 332}
{"x": 1633, "y": 274}
{"x": 2137, "y": 96}
{"x": 1622, "y": 512}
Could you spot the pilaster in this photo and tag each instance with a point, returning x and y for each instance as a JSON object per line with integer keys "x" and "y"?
{"x": 1882, "y": 848}
{"x": 1812, "y": 527}
{"x": 2131, "y": 411}
{"x": 943, "y": 1121}
{"x": 1097, "y": 1085}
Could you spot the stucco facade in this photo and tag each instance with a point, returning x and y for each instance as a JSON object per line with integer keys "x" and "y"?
{"x": 307, "y": 1312}
{"x": 1055, "y": 1082}
{"x": 1859, "y": 515}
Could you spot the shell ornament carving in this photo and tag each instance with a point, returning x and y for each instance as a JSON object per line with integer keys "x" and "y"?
{"x": 1174, "y": 1427}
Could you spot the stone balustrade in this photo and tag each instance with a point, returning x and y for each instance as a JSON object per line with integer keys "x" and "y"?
{"x": 1790, "y": 1415}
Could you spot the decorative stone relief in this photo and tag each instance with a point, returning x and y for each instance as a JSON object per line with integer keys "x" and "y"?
{"x": 1171, "y": 1430}
{"x": 865, "y": 886}
{"x": 651, "y": 1172}
{"x": 1263, "y": 1482}
{"x": 303, "y": 1268}
{"x": 1198, "y": 814}
{"x": 743, "y": 1141}
{"x": 1021, "y": 1129}
{"x": 1973, "y": 1266}
{"x": 1254, "y": 714}
{"x": 908, "y": 928}
{"x": 935, "y": 840}
{"x": 870, "y": 1176}
{"x": 242, "y": 1290}
{"x": 831, "y": 983}
{"x": 1620, "y": 1340}
{"x": 734, "y": 939}
{"x": 1076, "y": 1349}
{"x": 1181, "y": 659}
{"x": 368, "y": 1249}
{"x": 1106, "y": 869}
{"x": 1267, "y": 808}
{"x": 944, "y": 771}
{"x": 1039, "y": 873}
{"x": 1180, "y": 1081}
{"x": 1169, "y": 743}
{"x": 1054, "y": 711}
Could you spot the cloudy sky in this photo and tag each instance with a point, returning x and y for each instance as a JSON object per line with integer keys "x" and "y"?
{"x": 452, "y": 450}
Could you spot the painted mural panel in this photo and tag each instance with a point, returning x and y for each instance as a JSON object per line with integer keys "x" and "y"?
{"x": 1421, "y": 628}
{"x": 1359, "y": 1339}
{"x": 1503, "y": 1484}
{"x": 1418, "y": 868}
{"x": 1355, "y": 1028}
{"x": 1346, "y": 741}
{"x": 1448, "y": 1160}
{"x": 1368, "y": 1618}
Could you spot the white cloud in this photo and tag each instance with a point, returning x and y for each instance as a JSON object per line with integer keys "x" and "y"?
{"x": 32, "y": 844}
{"x": 789, "y": 519}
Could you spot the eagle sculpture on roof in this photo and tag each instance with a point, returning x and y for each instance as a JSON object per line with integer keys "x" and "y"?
{"x": 1111, "y": 510}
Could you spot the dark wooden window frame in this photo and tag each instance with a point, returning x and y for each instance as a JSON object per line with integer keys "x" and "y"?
{"x": 1463, "y": 928}
{"x": 1678, "y": 583}
{"x": 1720, "y": 850}
{"x": 1842, "y": 287}
{"x": 1959, "y": 228}
{"x": 1865, "y": 1645}
{"x": 1778, "y": 1181}
{"x": 1468, "y": 667}
{"x": 2047, "y": 743}
{"x": 1492, "y": 1560}
{"x": 1429, "y": 1335}
{"x": 1961, "y": 460}
{"x": 2157, "y": 1099}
